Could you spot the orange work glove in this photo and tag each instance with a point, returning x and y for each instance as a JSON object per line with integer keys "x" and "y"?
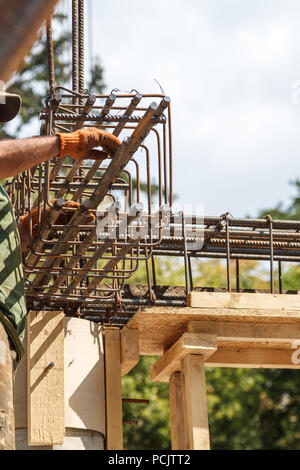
{"x": 64, "y": 218}
{"x": 80, "y": 144}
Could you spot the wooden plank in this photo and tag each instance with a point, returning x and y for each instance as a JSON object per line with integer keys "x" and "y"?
{"x": 189, "y": 343}
{"x": 177, "y": 412}
{"x": 130, "y": 355}
{"x": 114, "y": 419}
{"x": 241, "y": 332}
{"x": 160, "y": 327}
{"x": 244, "y": 301}
{"x": 45, "y": 392}
{"x": 194, "y": 386}
{"x": 253, "y": 358}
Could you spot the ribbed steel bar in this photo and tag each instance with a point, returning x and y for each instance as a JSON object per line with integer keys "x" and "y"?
{"x": 280, "y": 276}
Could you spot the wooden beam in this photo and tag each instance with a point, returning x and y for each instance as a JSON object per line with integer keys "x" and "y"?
{"x": 253, "y": 358}
{"x": 189, "y": 343}
{"x": 45, "y": 392}
{"x": 194, "y": 387}
{"x": 244, "y": 301}
{"x": 177, "y": 412}
{"x": 130, "y": 355}
{"x": 114, "y": 419}
{"x": 241, "y": 332}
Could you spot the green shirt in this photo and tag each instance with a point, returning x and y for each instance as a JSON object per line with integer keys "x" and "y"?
{"x": 12, "y": 296}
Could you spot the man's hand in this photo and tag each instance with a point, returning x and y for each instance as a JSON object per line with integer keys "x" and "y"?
{"x": 80, "y": 144}
{"x": 66, "y": 213}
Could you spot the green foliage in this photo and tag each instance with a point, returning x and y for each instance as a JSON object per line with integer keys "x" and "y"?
{"x": 248, "y": 409}
{"x": 292, "y": 212}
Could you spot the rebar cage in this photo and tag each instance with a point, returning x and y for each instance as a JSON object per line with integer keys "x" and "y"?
{"x": 77, "y": 262}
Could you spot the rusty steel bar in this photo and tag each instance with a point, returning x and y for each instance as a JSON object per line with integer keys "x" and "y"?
{"x": 228, "y": 255}
{"x": 51, "y": 70}
{"x": 98, "y": 119}
{"x": 85, "y": 275}
{"x": 237, "y": 268}
{"x": 81, "y": 51}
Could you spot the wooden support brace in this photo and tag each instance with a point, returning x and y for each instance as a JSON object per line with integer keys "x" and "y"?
{"x": 114, "y": 419}
{"x": 177, "y": 412}
{"x": 45, "y": 393}
{"x": 129, "y": 349}
{"x": 189, "y": 343}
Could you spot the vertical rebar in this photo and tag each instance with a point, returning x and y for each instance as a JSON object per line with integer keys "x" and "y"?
{"x": 7, "y": 421}
{"x": 153, "y": 273}
{"x": 165, "y": 164}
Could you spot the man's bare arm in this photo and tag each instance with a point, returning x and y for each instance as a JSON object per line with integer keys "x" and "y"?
{"x": 19, "y": 155}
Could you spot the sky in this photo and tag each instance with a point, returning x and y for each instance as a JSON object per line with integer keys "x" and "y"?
{"x": 229, "y": 67}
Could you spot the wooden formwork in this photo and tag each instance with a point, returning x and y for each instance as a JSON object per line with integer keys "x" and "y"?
{"x": 216, "y": 329}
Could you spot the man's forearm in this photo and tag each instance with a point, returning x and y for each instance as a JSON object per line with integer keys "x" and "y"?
{"x": 19, "y": 155}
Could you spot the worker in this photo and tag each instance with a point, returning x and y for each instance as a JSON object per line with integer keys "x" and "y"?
{"x": 17, "y": 156}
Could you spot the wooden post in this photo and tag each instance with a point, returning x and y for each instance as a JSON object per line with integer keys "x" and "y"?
{"x": 177, "y": 412}
{"x": 188, "y": 343}
{"x": 182, "y": 365}
{"x": 130, "y": 355}
{"x": 194, "y": 392}
{"x": 45, "y": 362}
{"x": 114, "y": 418}
{"x": 19, "y": 25}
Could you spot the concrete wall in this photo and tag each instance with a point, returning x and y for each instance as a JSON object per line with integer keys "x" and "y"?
{"x": 84, "y": 390}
